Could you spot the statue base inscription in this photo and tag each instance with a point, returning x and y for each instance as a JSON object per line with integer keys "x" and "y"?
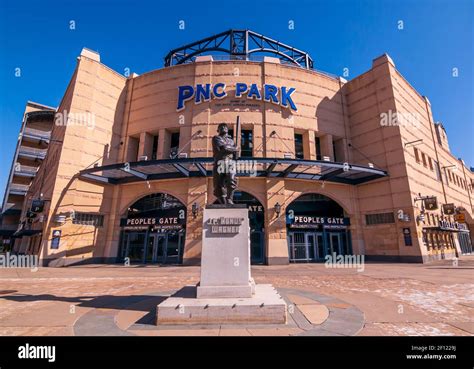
{"x": 225, "y": 257}
{"x": 226, "y": 292}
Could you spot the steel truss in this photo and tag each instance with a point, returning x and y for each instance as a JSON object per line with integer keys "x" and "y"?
{"x": 239, "y": 45}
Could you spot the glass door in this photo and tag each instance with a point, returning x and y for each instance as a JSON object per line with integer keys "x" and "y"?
{"x": 298, "y": 249}
{"x": 172, "y": 246}
{"x": 335, "y": 243}
{"x": 134, "y": 246}
{"x": 155, "y": 250}
{"x": 320, "y": 249}
{"x": 256, "y": 247}
{"x": 150, "y": 249}
{"x": 311, "y": 252}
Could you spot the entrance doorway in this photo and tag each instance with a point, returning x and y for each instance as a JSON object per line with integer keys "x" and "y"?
{"x": 161, "y": 248}
{"x": 316, "y": 227}
{"x": 154, "y": 231}
{"x": 306, "y": 246}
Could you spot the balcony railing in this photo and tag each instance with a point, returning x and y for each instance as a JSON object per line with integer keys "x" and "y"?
{"x": 25, "y": 170}
{"x": 18, "y": 189}
{"x": 9, "y": 227}
{"x": 11, "y": 209}
{"x": 31, "y": 152}
{"x": 37, "y": 133}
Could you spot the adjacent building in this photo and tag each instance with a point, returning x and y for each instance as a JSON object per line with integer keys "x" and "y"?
{"x": 327, "y": 166}
{"x": 30, "y": 152}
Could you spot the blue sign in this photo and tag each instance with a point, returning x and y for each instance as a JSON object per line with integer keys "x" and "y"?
{"x": 269, "y": 93}
{"x": 56, "y": 238}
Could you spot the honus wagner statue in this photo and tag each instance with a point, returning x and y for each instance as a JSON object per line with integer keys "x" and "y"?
{"x": 224, "y": 152}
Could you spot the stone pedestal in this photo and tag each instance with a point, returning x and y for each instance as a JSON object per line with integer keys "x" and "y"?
{"x": 226, "y": 293}
{"x": 225, "y": 260}
{"x": 266, "y": 306}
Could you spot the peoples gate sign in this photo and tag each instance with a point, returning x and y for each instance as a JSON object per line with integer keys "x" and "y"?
{"x": 206, "y": 92}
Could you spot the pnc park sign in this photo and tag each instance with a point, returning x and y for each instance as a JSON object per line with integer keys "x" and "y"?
{"x": 206, "y": 92}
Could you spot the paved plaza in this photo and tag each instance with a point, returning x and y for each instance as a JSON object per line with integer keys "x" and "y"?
{"x": 384, "y": 299}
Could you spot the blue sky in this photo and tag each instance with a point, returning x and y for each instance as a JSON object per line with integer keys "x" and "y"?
{"x": 437, "y": 37}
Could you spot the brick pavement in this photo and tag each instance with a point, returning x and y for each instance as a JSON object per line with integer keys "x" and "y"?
{"x": 396, "y": 299}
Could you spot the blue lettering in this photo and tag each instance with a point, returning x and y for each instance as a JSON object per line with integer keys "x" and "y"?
{"x": 219, "y": 95}
{"x": 254, "y": 92}
{"x": 286, "y": 98}
{"x": 204, "y": 92}
{"x": 185, "y": 93}
{"x": 271, "y": 93}
{"x": 240, "y": 88}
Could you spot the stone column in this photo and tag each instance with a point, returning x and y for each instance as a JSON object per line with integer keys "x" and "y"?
{"x": 163, "y": 144}
{"x": 145, "y": 147}
{"x": 309, "y": 147}
{"x": 275, "y": 227}
{"x": 326, "y": 146}
{"x": 197, "y": 193}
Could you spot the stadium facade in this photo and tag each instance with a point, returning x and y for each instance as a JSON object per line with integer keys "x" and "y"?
{"x": 121, "y": 169}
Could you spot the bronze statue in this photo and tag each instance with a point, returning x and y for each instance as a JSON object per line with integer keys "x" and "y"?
{"x": 223, "y": 172}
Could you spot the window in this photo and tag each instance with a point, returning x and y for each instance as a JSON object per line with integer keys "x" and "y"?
{"x": 437, "y": 170}
{"x": 174, "y": 144}
{"x": 318, "y": 148}
{"x": 154, "y": 149}
{"x": 380, "y": 218}
{"x": 246, "y": 144}
{"x": 299, "y": 153}
{"x": 423, "y": 157}
{"x": 334, "y": 150}
{"x": 417, "y": 155}
{"x": 430, "y": 163}
{"x": 95, "y": 220}
{"x": 449, "y": 175}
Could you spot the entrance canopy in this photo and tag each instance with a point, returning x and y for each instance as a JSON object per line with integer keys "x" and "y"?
{"x": 311, "y": 170}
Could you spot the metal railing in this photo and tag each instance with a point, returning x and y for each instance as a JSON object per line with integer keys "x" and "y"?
{"x": 257, "y": 59}
{"x": 37, "y": 133}
{"x": 31, "y": 151}
{"x": 18, "y": 189}
{"x": 25, "y": 170}
{"x": 9, "y": 227}
{"x": 12, "y": 206}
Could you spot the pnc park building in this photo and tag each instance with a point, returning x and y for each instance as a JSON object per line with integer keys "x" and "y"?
{"x": 121, "y": 170}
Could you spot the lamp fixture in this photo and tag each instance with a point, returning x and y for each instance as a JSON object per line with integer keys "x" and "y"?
{"x": 195, "y": 210}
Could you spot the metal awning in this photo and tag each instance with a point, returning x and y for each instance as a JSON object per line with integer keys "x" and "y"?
{"x": 7, "y": 232}
{"x": 311, "y": 170}
{"x": 27, "y": 232}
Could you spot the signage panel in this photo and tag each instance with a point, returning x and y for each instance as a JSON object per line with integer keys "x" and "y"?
{"x": 452, "y": 226}
{"x": 56, "y": 238}
{"x": 449, "y": 209}
{"x": 170, "y": 219}
{"x": 431, "y": 203}
{"x": 315, "y": 222}
{"x": 206, "y": 92}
